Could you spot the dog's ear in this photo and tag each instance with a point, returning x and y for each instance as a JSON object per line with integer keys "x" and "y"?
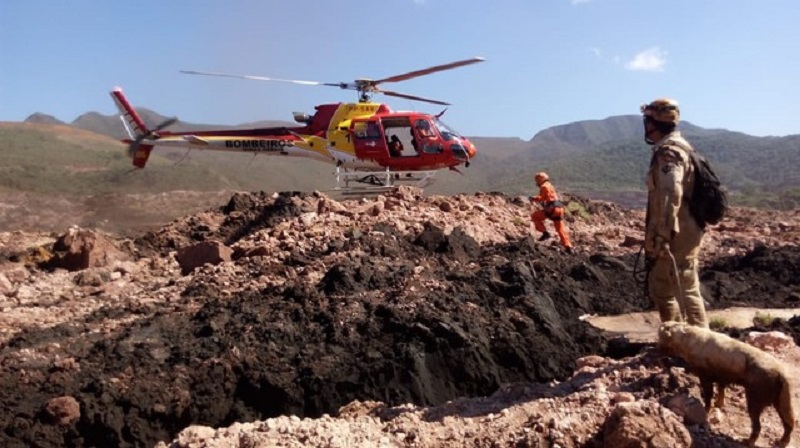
{"x": 666, "y": 329}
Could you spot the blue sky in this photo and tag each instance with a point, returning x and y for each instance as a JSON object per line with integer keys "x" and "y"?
{"x": 731, "y": 64}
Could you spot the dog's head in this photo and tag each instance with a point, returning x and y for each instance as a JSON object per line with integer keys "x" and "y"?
{"x": 669, "y": 335}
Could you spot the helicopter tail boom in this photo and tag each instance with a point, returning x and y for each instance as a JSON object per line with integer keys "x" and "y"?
{"x": 139, "y": 146}
{"x": 130, "y": 118}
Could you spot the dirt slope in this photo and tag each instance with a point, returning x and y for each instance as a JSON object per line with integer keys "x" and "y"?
{"x": 396, "y": 299}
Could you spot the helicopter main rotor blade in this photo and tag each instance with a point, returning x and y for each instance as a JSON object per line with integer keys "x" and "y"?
{"x": 261, "y": 78}
{"x": 411, "y": 97}
{"x": 365, "y": 87}
{"x": 429, "y": 70}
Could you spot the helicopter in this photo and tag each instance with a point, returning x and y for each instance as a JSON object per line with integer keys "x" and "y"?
{"x": 367, "y": 142}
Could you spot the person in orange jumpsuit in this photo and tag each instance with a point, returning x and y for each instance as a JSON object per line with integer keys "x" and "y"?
{"x": 552, "y": 209}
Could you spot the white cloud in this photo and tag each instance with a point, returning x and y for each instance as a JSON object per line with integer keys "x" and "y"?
{"x": 596, "y": 51}
{"x": 578, "y": 2}
{"x": 651, "y": 60}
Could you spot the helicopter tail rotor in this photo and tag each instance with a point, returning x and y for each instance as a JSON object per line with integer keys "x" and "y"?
{"x": 139, "y": 145}
{"x": 148, "y": 134}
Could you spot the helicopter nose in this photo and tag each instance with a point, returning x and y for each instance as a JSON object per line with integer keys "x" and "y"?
{"x": 471, "y": 150}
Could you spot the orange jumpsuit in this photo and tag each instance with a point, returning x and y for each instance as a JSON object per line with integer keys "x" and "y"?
{"x": 552, "y": 209}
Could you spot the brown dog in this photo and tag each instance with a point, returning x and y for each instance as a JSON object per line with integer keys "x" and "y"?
{"x": 718, "y": 358}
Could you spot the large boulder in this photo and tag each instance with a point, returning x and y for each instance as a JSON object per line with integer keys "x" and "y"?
{"x": 196, "y": 255}
{"x": 62, "y": 411}
{"x": 80, "y": 249}
{"x": 644, "y": 424}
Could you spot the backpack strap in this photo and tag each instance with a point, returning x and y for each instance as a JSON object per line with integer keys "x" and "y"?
{"x": 680, "y": 143}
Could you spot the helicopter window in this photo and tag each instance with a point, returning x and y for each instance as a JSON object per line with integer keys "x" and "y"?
{"x": 373, "y": 130}
{"x": 446, "y": 133}
{"x": 395, "y": 122}
{"x": 432, "y": 148}
{"x": 424, "y": 128}
{"x": 368, "y": 130}
{"x": 360, "y": 130}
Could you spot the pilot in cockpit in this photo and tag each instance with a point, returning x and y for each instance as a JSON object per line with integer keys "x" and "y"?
{"x": 414, "y": 140}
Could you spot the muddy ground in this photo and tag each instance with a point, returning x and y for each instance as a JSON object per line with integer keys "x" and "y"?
{"x": 486, "y": 315}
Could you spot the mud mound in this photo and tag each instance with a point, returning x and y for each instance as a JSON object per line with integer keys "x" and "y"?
{"x": 496, "y": 315}
{"x": 324, "y": 304}
{"x": 765, "y": 277}
{"x": 244, "y": 214}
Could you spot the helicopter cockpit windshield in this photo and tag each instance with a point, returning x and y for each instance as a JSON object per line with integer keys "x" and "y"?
{"x": 445, "y": 131}
{"x": 457, "y": 144}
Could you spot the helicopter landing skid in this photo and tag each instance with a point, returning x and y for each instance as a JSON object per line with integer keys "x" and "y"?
{"x": 381, "y": 180}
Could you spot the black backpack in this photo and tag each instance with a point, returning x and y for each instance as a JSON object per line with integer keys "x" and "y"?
{"x": 708, "y": 202}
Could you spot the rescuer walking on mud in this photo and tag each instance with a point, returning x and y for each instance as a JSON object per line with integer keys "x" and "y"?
{"x": 672, "y": 236}
{"x": 552, "y": 209}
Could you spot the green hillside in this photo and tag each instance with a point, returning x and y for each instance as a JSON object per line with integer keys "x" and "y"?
{"x": 64, "y": 160}
{"x": 598, "y": 158}
{"x": 757, "y": 171}
{"x": 53, "y": 159}
{"x": 60, "y": 160}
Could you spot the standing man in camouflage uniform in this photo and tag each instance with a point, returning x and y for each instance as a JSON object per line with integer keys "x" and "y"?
{"x": 672, "y": 236}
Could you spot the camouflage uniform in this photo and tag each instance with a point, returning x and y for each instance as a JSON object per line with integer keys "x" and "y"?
{"x": 669, "y": 221}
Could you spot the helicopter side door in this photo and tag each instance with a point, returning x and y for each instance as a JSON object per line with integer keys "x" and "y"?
{"x": 368, "y": 139}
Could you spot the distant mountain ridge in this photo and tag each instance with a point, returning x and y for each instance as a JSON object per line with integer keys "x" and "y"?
{"x": 609, "y": 156}
{"x": 571, "y": 139}
{"x": 112, "y": 126}
{"x": 41, "y": 118}
{"x": 592, "y": 132}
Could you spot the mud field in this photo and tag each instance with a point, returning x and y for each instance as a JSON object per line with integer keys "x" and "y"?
{"x": 485, "y": 316}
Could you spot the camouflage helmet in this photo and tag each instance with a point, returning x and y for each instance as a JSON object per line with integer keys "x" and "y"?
{"x": 664, "y": 110}
{"x": 541, "y": 177}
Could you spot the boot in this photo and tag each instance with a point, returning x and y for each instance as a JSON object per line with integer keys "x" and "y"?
{"x": 568, "y": 250}
{"x": 544, "y": 236}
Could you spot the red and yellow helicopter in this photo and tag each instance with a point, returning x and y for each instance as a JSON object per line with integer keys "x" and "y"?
{"x": 366, "y": 141}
